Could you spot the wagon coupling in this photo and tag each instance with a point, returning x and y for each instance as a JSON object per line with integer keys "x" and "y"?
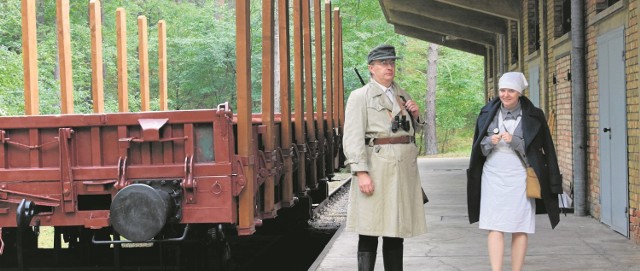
{"x": 139, "y": 212}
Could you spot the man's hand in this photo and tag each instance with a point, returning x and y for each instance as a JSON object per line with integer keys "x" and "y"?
{"x": 365, "y": 183}
{"x": 413, "y": 108}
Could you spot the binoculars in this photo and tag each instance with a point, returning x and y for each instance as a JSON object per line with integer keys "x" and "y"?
{"x": 398, "y": 122}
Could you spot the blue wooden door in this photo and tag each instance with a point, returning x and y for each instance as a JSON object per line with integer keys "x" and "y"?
{"x": 613, "y": 131}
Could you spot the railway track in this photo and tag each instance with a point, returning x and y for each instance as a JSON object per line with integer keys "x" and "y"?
{"x": 276, "y": 245}
{"x": 294, "y": 247}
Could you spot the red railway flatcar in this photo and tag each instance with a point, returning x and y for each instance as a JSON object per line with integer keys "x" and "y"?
{"x": 104, "y": 179}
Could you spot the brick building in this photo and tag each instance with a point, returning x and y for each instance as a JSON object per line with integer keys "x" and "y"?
{"x": 581, "y": 60}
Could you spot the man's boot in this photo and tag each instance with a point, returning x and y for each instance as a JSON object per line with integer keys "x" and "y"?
{"x": 366, "y": 261}
{"x": 392, "y": 259}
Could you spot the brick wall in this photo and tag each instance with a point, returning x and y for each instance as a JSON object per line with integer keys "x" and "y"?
{"x": 633, "y": 134}
{"x": 631, "y": 48}
{"x": 593, "y": 159}
{"x": 562, "y": 104}
{"x": 549, "y": 94}
{"x": 556, "y": 96}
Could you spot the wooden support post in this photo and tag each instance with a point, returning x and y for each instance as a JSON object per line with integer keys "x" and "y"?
{"x": 317, "y": 7}
{"x": 329, "y": 85}
{"x": 336, "y": 71}
{"x": 308, "y": 85}
{"x": 64, "y": 56}
{"x": 340, "y": 76}
{"x": 246, "y": 214}
{"x": 298, "y": 92}
{"x": 336, "y": 89}
{"x": 162, "y": 63}
{"x": 285, "y": 101}
{"x": 144, "y": 63}
{"x": 95, "y": 23}
{"x": 341, "y": 157}
{"x": 268, "y": 108}
{"x": 30, "y": 57}
{"x": 123, "y": 74}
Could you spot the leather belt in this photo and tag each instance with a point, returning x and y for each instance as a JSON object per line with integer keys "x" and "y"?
{"x": 389, "y": 140}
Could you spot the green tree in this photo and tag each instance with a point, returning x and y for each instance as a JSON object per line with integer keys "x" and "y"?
{"x": 201, "y": 58}
{"x": 459, "y": 93}
{"x": 11, "y": 98}
{"x": 364, "y": 27}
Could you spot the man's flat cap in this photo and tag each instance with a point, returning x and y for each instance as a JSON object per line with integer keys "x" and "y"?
{"x": 381, "y": 52}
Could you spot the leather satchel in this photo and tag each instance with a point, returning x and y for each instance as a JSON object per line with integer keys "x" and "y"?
{"x": 533, "y": 184}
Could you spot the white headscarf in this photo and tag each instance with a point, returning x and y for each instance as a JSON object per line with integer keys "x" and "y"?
{"x": 513, "y": 80}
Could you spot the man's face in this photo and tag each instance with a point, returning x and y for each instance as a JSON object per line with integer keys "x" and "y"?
{"x": 383, "y": 71}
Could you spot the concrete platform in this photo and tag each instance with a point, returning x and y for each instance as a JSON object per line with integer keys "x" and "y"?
{"x": 578, "y": 243}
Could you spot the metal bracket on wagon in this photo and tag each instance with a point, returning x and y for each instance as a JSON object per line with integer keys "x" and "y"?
{"x": 313, "y": 148}
{"x": 278, "y": 162}
{"x": 240, "y": 178}
{"x": 263, "y": 173}
{"x": 296, "y": 153}
{"x": 122, "y": 173}
{"x": 223, "y": 109}
{"x": 67, "y": 189}
{"x": 189, "y": 184}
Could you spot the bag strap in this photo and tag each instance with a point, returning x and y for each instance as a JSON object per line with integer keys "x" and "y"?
{"x": 501, "y": 123}
{"x": 410, "y": 116}
{"x": 521, "y": 159}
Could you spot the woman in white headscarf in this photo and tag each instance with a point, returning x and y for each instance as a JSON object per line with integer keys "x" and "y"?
{"x": 511, "y": 133}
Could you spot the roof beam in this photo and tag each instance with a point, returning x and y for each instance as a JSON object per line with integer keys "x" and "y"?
{"x": 462, "y": 45}
{"x": 508, "y": 9}
{"x": 445, "y": 28}
{"x": 449, "y": 13}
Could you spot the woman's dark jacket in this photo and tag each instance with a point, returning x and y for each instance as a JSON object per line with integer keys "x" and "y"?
{"x": 539, "y": 151}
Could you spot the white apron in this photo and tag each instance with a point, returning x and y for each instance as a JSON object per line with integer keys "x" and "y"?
{"x": 504, "y": 205}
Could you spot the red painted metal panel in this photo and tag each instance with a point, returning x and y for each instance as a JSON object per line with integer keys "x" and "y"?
{"x": 59, "y": 161}
{"x": 49, "y": 150}
{"x": 3, "y": 150}
{"x": 109, "y": 155}
{"x": 167, "y": 147}
{"x": 215, "y": 202}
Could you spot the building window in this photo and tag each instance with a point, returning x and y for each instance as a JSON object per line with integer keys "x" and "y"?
{"x": 513, "y": 41}
{"x": 604, "y": 4}
{"x": 562, "y": 17}
{"x": 533, "y": 26}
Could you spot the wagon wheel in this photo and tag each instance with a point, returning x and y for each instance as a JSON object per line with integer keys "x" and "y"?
{"x": 10, "y": 244}
{"x": 224, "y": 252}
{"x": 218, "y": 250}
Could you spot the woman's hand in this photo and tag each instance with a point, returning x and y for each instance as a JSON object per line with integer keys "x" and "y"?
{"x": 365, "y": 183}
{"x": 506, "y": 137}
{"x": 495, "y": 139}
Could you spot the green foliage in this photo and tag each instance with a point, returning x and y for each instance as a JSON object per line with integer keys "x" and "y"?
{"x": 200, "y": 50}
{"x": 459, "y": 93}
{"x": 364, "y": 27}
{"x": 12, "y": 101}
{"x": 10, "y": 26}
{"x": 201, "y": 58}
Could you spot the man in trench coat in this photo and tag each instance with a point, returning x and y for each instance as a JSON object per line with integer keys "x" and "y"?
{"x": 379, "y": 144}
